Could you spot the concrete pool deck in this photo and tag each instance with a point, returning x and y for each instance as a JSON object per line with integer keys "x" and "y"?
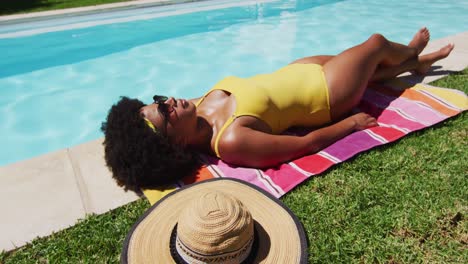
{"x": 88, "y": 10}
{"x": 51, "y": 192}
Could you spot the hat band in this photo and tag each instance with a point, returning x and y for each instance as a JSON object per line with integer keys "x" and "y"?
{"x": 233, "y": 257}
{"x": 182, "y": 254}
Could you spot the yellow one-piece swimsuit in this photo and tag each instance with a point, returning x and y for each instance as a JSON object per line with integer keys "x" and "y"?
{"x": 295, "y": 95}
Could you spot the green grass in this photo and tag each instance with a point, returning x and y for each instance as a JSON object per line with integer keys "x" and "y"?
{"x": 9, "y": 7}
{"x": 405, "y": 202}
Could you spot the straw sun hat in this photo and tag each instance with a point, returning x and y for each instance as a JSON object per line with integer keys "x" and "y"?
{"x": 217, "y": 221}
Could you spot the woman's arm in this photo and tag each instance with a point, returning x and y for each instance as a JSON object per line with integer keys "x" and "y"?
{"x": 252, "y": 148}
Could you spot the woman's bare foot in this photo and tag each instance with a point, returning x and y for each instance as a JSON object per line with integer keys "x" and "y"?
{"x": 420, "y": 39}
{"x": 426, "y": 61}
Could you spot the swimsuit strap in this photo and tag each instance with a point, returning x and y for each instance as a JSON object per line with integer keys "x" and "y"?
{"x": 200, "y": 101}
{"x": 220, "y": 133}
{"x": 203, "y": 97}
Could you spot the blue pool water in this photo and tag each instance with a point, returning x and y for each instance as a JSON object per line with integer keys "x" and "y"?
{"x": 56, "y": 86}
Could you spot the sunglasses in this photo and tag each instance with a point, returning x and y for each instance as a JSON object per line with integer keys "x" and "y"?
{"x": 163, "y": 108}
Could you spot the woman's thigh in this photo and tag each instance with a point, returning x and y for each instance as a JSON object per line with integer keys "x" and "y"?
{"x": 320, "y": 60}
{"x": 348, "y": 73}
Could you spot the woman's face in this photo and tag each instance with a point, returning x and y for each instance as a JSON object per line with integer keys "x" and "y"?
{"x": 173, "y": 119}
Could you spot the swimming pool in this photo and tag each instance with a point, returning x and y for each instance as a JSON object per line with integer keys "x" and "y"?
{"x": 56, "y": 86}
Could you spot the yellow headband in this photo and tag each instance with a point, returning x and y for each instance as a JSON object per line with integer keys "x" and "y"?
{"x": 150, "y": 124}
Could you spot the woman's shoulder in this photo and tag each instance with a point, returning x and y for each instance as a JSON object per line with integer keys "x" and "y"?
{"x": 195, "y": 100}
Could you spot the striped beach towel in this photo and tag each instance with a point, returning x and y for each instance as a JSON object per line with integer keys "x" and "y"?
{"x": 399, "y": 111}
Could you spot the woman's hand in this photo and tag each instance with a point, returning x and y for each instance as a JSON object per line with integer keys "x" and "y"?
{"x": 363, "y": 121}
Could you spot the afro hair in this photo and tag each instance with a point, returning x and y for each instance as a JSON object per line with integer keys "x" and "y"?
{"x": 137, "y": 156}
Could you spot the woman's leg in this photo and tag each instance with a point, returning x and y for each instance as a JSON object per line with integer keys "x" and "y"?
{"x": 320, "y": 60}
{"x": 419, "y": 41}
{"x": 419, "y": 65}
{"x": 348, "y": 73}
{"x": 389, "y": 72}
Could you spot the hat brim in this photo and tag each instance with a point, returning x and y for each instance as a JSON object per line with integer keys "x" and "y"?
{"x": 281, "y": 238}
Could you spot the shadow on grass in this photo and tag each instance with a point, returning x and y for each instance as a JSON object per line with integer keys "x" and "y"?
{"x": 16, "y": 6}
{"x": 434, "y": 71}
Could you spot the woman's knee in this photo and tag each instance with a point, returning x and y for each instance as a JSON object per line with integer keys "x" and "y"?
{"x": 377, "y": 41}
